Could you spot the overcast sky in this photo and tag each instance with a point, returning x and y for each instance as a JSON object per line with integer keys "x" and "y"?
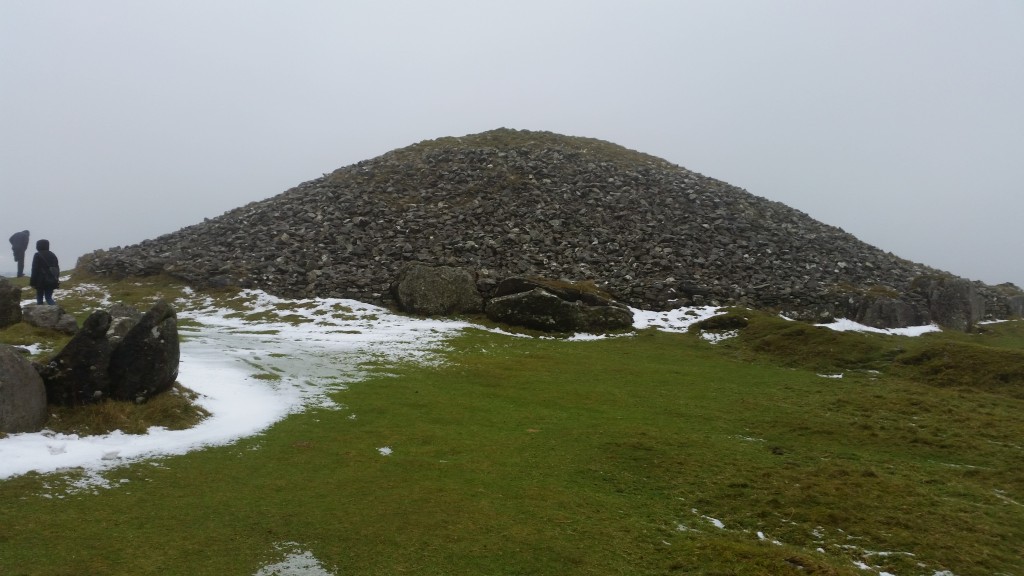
{"x": 900, "y": 121}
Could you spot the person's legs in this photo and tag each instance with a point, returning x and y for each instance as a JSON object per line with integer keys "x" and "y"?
{"x": 21, "y": 266}
{"x": 39, "y": 295}
{"x": 49, "y": 296}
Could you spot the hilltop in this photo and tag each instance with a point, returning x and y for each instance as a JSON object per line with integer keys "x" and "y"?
{"x": 512, "y": 202}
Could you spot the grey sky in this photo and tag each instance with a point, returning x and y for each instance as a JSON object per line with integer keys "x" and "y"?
{"x": 901, "y": 122}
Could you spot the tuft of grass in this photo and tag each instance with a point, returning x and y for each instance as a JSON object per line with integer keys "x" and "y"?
{"x": 24, "y": 335}
{"x": 175, "y": 410}
{"x": 876, "y": 291}
{"x": 802, "y": 345}
{"x": 579, "y": 288}
{"x": 966, "y": 366}
{"x": 732, "y": 320}
{"x": 82, "y": 292}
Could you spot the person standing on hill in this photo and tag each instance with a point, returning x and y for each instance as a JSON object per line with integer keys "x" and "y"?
{"x": 19, "y": 243}
{"x": 45, "y": 272}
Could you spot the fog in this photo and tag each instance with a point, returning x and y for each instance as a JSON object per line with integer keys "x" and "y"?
{"x": 901, "y": 123}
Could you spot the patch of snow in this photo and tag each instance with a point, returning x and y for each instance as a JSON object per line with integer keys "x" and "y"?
{"x": 847, "y": 325}
{"x": 585, "y": 337}
{"x": 1002, "y": 496}
{"x": 385, "y": 451}
{"x": 714, "y": 521}
{"x": 716, "y": 337}
{"x": 678, "y": 320}
{"x": 837, "y": 376}
{"x": 34, "y": 348}
{"x": 295, "y": 563}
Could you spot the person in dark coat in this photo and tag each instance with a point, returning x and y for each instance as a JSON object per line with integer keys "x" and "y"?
{"x": 45, "y": 272}
{"x": 19, "y": 243}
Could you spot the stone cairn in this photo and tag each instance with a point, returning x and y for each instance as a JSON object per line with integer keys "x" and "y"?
{"x": 508, "y": 203}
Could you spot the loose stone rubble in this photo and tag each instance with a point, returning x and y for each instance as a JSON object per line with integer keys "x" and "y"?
{"x": 518, "y": 203}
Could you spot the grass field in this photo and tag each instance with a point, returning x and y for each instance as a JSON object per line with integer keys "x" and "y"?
{"x": 657, "y": 453}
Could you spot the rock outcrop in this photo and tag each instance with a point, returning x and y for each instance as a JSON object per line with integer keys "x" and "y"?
{"x": 80, "y": 372}
{"x": 506, "y": 203}
{"x": 145, "y": 362}
{"x": 22, "y": 395}
{"x": 556, "y": 307}
{"x": 10, "y": 303}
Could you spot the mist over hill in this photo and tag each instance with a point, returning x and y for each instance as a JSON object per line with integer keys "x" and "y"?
{"x": 510, "y": 202}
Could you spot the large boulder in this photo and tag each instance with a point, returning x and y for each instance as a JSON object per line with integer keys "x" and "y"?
{"x": 79, "y": 373}
{"x": 22, "y": 394}
{"x": 584, "y": 292}
{"x": 1015, "y": 304}
{"x": 145, "y": 363}
{"x": 10, "y": 303}
{"x": 952, "y": 302}
{"x": 49, "y": 317}
{"x": 436, "y": 290}
{"x": 540, "y": 309}
{"x": 880, "y": 311}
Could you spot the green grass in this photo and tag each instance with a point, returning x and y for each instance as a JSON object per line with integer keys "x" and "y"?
{"x": 540, "y": 456}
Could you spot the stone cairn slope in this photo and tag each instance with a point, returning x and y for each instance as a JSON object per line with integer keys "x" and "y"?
{"x": 507, "y": 202}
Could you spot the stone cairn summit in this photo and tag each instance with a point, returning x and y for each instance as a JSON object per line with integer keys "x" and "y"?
{"x": 521, "y": 203}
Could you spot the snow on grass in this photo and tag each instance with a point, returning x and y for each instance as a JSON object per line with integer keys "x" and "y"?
{"x": 221, "y": 360}
{"x": 847, "y": 325}
{"x": 678, "y": 320}
{"x": 296, "y": 562}
{"x": 273, "y": 357}
{"x": 716, "y": 337}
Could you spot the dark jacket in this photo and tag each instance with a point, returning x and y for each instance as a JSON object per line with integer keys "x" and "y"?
{"x": 39, "y": 279}
{"x": 19, "y": 243}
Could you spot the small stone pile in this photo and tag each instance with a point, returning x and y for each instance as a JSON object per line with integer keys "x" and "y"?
{"x": 518, "y": 203}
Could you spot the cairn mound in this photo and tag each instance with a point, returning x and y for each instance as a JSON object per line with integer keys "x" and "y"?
{"x": 524, "y": 203}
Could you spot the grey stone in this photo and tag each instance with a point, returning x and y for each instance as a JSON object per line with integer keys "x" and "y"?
{"x": 49, "y": 317}
{"x": 145, "y": 363}
{"x": 79, "y": 373}
{"x": 887, "y": 312}
{"x": 22, "y": 394}
{"x": 10, "y": 303}
{"x": 539, "y": 309}
{"x": 122, "y": 318}
{"x": 1015, "y": 304}
{"x": 436, "y": 290}
{"x": 953, "y": 302}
